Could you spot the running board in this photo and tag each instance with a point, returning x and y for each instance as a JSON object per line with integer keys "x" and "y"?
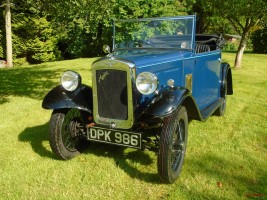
{"x": 205, "y": 113}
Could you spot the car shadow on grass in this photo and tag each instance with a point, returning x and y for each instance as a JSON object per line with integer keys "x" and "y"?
{"x": 32, "y": 82}
{"x": 37, "y": 136}
{"x": 136, "y": 163}
{"x": 133, "y": 162}
{"x": 140, "y": 165}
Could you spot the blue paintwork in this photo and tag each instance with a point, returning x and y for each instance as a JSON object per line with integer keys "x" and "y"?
{"x": 208, "y": 77}
{"x": 175, "y": 64}
{"x": 145, "y": 58}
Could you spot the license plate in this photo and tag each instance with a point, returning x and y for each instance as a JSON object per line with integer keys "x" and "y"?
{"x": 117, "y": 137}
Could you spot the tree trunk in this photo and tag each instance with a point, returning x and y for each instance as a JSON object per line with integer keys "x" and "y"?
{"x": 8, "y": 35}
{"x": 241, "y": 50}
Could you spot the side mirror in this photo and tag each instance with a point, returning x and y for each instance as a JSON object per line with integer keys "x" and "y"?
{"x": 106, "y": 49}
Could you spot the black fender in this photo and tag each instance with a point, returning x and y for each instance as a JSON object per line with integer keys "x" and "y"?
{"x": 167, "y": 101}
{"x": 59, "y": 98}
{"x": 226, "y": 74}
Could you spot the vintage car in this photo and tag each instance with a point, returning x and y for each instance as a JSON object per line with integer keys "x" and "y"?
{"x": 159, "y": 76}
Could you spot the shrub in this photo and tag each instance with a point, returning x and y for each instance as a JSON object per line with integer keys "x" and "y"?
{"x": 34, "y": 39}
{"x": 259, "y": 40}
{"x": 231, "y": 46}
{"x": 1, "y": 46}
{"x": 20, "y": 61}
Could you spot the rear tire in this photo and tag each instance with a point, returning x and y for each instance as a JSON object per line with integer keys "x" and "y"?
{"x": 65, "y": 131}
{"x": 221, "y": 109}
{"x": 172, "y": 145}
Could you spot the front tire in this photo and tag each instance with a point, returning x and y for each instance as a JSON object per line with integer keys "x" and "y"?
{"x": 172, "y": 145}
{"x": 65, "y": 131}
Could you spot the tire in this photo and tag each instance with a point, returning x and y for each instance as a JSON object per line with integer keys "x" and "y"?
{"x": 221, "y": 109}
{"x": 172, "y": 145}
{"x": 65, "y": 132}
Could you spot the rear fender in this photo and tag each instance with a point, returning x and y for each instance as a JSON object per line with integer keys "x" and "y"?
{"x": 226, "y": 74}
{"x": 59, "y": 98}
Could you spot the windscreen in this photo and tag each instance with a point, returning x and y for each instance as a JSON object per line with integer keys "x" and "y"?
{"x": 175, "y": 32}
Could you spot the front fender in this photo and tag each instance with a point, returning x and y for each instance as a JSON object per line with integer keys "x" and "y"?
{"x": 59, "y": 98}
{"x": 169, "y": 100}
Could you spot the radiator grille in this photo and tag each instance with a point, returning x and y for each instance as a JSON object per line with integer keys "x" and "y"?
{"x": 112, "y": 94}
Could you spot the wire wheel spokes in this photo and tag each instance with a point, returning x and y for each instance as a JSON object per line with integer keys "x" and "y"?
{"x": 178, "y": 144}
{"x": 71, "y": 130}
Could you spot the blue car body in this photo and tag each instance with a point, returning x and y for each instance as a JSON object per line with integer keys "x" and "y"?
{"x": 159, "y": 76}
{"x": 200, "y": 75}
{"x": 205, "y": 69}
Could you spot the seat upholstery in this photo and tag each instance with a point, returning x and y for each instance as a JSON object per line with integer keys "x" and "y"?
{"x": 201, "y": 48}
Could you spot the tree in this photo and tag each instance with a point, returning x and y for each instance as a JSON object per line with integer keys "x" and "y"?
{"x": 8, "y": 34}
{"x": 243, "y": 15}
{"x": 147, "y": 8}
{"x": 207, "y": 21}
{"x": 87, "y": 24}
{"x": 34, "y": 39}
{"x": 84, "y": 29}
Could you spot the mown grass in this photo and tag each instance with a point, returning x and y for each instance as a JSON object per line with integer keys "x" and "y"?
{"x": 226, "y": 156}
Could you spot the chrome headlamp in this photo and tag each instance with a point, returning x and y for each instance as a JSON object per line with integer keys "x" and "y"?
{"x": 146, "y": 83}
{"x": 71, "y": 80}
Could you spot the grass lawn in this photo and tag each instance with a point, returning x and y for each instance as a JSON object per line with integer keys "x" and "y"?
{"x": 226, "y": 156}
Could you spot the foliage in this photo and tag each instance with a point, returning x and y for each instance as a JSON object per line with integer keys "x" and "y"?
{"x": 259, "y": 40}
{"x": 231, "y": 46}
{"x": 46, "y": 30}
{"x": 20, "y": 61}
{"x": 2, "y": 36}
{"x": 34, "y": 39}
{"x": 147, "y": 8}
{"x": 1, "y": 46}
{"x": 33, "y": 36}
{"x": 243, "y": 16}
{"x": 80, "y": 33}
{"x": 86, "y": 27}
{"x": 152, "y": 32}
{"x": 86, "y": 32}
{"x": 225, "y": 159}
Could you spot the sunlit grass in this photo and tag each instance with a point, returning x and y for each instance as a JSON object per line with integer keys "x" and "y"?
{"x": 226, "y": 156}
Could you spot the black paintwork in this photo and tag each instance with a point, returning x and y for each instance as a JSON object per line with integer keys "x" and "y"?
{"x": 59, "y": 98}
{"x": 168, "y": 101}
{"x": 226, "y": 74}
{"x": 208, "y": 111}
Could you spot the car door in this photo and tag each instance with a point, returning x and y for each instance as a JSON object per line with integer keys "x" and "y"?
{"x": 202, "y": 71}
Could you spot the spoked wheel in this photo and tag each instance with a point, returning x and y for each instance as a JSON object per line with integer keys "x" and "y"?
{"x": 66, "y": 133}
{"x": 172, "y": 145}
